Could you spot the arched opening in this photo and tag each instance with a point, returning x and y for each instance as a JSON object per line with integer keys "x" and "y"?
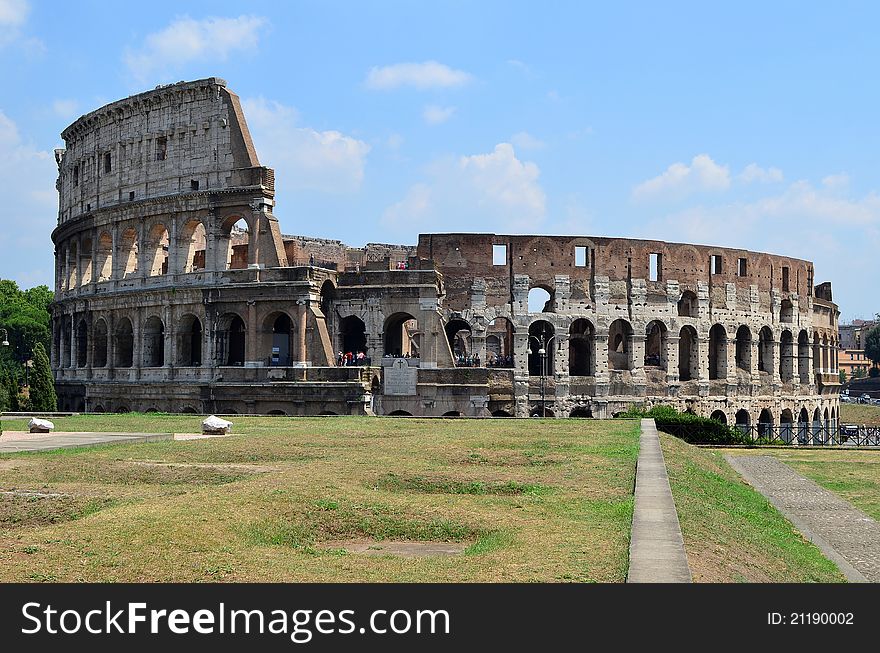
{"x": 72, "y": 266}
{"x": 124, "y": 344}
{"x": 328, "y": 296}
{"x": 541, "y": 411}
{"x": 687, "y": 305}
{"x": 688, "y": 354}
{"x": 189, "y": 341}
{"x": 99, "y": 344}
{"x": 804, "y": 357}
{"x": 86, "y": 262}
{"x": 451, "y": 413}
{"x": 826, "y": 363}
{"x": 717, "y": 353}
{"x": 66, "y": 337}
{"x": 803, "y": 426}
{"x": 786, "y": 312}
{"x": 128, "y": 253}
{"x": 499, "y": 343}
{"x": 580, "y": 411}
{"x": 82, "y": 343}
{"x": 743, "y": 420}
{"x": 541, "y": 348}
{"x": 238, "y": 239}
{"x": 541, "y": 300}
{"x": 402, "y": 336}
{"x": 157, "y": 251}
{"x": 501, "y": 413}
{"x": 98, "y": 409}
{"x": 281, "y": 327}
{"x": 817, "y": 354}
{"x": 765, "y": 424}
{"x": 786, "y": 356}
{"x": 620, "y": 336}
{"x": 231, "y": 340}
{"x": 786, "y": 426}
{"x": 818, "y": 427}
{"x": 189, "y": 410}
{"x": 354, "y": 336}
{"x": 121, "y": 410}
{"x": 827, "y": 424}
{"x": 276, "y": 413}
{"x": 154, "y": 342}
{"x": 655, "y": 345}
{"x": 580, "y": 348}
{"x": 719, "y": 416}
{"x": 458, "y": 333}
{"x": 193, "y": 246}
{"x": 399, "y": 413}
{"x": 744, "y": 348}
{"x": 104, "y": 257}
{"x": 327, "y": 412}
{"x": 765, "y": 350}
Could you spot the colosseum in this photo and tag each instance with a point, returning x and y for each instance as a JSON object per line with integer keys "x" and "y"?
{"x": 177, "y": 291}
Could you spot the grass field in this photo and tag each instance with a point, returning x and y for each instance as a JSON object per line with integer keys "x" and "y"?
{"x": 731, "y": 532}
{"x": 852, "y": 475}
{"x": 286, "y": 499}
{"x": 860, "y": 414}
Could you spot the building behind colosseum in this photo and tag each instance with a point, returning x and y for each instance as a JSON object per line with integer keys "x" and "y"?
{"x": 176, "y": 290}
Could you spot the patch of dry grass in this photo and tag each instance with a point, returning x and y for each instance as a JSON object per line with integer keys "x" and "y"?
{"x": 860, "y": 414}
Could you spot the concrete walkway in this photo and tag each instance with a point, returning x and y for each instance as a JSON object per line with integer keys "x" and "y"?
{"x": 656, "y": 549}
{"x": 16, "y": 442}
{"x": 844, "y": 534}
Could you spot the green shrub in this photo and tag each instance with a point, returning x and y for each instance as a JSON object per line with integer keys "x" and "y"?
{"x": 689, "y": 427}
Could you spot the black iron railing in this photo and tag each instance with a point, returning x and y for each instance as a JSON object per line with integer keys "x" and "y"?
{"x": 818, "y": 434}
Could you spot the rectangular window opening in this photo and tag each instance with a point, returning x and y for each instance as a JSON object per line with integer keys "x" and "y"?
{"x": 580, "y": 256}
{"x": 715, "y": 263}
{"x": 784, "y": 278}
{"x": 655, "y": 263}
{"x": 131, "y": 196}
{"x": 76, "y": 175}
{"x": 499, "y": 255}
{"x": 108, "y": 163}
{"x": 194, "y": 184}
{"x": 742, "y": 269}
{"x": 161, "y": 148}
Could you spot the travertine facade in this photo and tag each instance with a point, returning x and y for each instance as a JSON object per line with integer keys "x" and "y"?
{"x": 176, "y": 290}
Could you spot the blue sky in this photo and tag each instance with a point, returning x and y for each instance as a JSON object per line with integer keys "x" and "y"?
{"x": 752, "y": 125}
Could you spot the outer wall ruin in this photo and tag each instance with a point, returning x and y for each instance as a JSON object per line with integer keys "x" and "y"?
{"x": 177, "y": 291}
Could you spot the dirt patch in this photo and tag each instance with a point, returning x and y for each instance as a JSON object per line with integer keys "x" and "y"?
{"x": 24, "y": 509}
{"x": 490, "y": 458}
{"x": 395, "y": 483}
{"x": 15, "y": 463}
{"x": 118, "y": 472}
{"x": 400, "y": 549}
{"x": 242, "y": 468}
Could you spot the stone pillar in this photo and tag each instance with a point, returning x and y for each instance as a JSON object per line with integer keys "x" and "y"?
{"x": 302, "y": 314}
{"x": 174, "y": 256}
{"x": 170, "y": 332}
{"x": 601, "y": 362}
{"x": 672, "y": 343}
{"x": 731, "y": 360}
{"x": 776, "y": 347}
{"x": 252, "y": 336}
{"x": 637, "y": 358}
{"x": 115, "y": 274}
{"x": 137, "y": 330}
{"x": 111, "y": 345}
{"x": 74, "y": 342}
{"x": 143, "y": 272}
{"x": 560, "y": 365}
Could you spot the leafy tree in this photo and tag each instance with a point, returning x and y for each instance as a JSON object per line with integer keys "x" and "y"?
{"x": 872, "y": 345}
{"x": 42, "y": 390}
{"x": 843, "y": 376}
{"x": 25, "y": 316}
{"x": 859, "y": 373}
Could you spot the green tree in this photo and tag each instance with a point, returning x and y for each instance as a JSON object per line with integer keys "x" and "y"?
{"x": 42, "y": 390}
{"x": 843, "y": 376}
{"x": 872, "y": 345}
{"x": 25, "y": 316}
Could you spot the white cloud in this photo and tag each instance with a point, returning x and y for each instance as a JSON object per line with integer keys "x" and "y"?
{"x": 27, "y": 190}
{"x": 13, "y": 13}
{"x": 394, "y": 141}
{"x": 429, "y": 74}
{"x": 188, "y": 40}
{"x": 303, "y": 158}
{"x": 13, "y": 17}
{"x": 840, "y": 181}
{"x": 435, "y": 115}
{"x": 494, "y": 190}
{"x": 66, "y": 109}
{"x": 754, "y": 173}
{"x": 680, "y": 179}
{"x": 525, "y": 141}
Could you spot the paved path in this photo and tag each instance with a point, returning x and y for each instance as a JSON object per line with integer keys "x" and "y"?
{"x": 656, "y": 549}
{"x": 15, "y": 442}
{"x": 843, "y": 533}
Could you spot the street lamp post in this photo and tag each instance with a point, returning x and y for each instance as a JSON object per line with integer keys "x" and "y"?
{"x": 5, "y": 342}
{"x": 542, "y": 352}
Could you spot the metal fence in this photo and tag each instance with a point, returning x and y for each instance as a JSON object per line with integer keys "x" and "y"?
{"x": 815, "y": 434}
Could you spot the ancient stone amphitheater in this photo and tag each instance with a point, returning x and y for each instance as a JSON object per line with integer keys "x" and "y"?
{"x": 177, "y": 291}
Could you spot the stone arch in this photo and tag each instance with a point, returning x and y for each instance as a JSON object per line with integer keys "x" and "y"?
{"x": 277, "y": 413}
{"x": 542, "y": 299}
{"x": 99, "y": 343}
{"x": 399, "y": 413}
{"x": 277, "y": 338}
{"x": 104, "y": 257}
{"x": 353, "y": 335}
{"x": 499, "y": 342}
{"x": 189, "y": 341}
{"x": 72, "y": 267}
{"x": 688, "y": 354}
{"x": 86, "y": 267}
{"x": 451, "y": 413}
{"x": 98, "y": 409}
{"x": 458, "y": 333}
{"x": 717, "y": 352}
{"x": 581, "y": 344}
{"x": 402, "y": 336}
{"x": 719, "y": 416}
{"x": 581, "y": 411}
{"x": 128, "y": 253}
{"x": 189, "y": 410}
{"x": 541, "y": 337}
{"x": 235, "y": 234}
{"x": 541, "y": 411}
{"x": 744, "y": 348}
{"x": 804, "y": 356}
{"x": 231, "y": 338}
{"x": 154, "y": 342}
{"x": 786, "y": 425}
{"x": 656, "y": 339}
{"x": 687, "y": 304}
{"x": 620, "y": 337}
{"x": 766, "y": 345}
{"x": 123, "y": 345}
{"x": 328, "y": 296}
{"x": 803, "y": 425}
{"x": 193, "y": 244}
{"x": 501, "y": 413}
{"x": 743, "y": 421}
{"x": 82, "y": 343}
{"x": 156, "y": 255}
{"x": 786, "y": 356}
{"x": 327, "y": 413}
{"x": 826, "y": 366}
{"x": 765, "y": 423}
